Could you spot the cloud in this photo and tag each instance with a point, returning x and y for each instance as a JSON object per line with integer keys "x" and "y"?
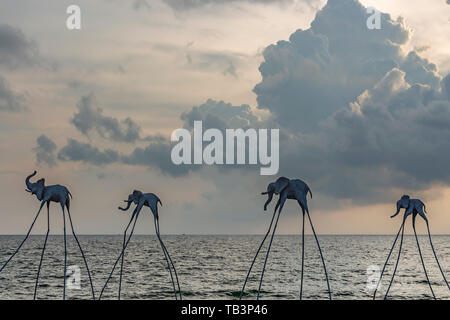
{"x": 157, "y": 153}
{"x": 224, "y": 62}
{"x": 446, "y": 86}
{"x": 193, "y": 4}
{"x": 45, "y": 151}
{"x": 214, "y": 114}
{"x": 395, "y": 135}
{"x": 139, "y": 4}
{"x": 86, "y": 153}
{"x": 89, "y": 119}
{"x": 220, "y": 115}
{"x": 322, "y": 69}
{"x": 10, "y": 101}
{"x": 360, "y": 119}
{"x": 16, "y": 50}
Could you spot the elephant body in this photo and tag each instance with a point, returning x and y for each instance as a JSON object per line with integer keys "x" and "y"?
{"x": 55, "y": 193}
{"x": 411, "y": 206}
{"x": 148, "y": 200}
{"x": 295, "y": 189}
{"x": 414, "y": 207}
{"x": 143, "y": 199}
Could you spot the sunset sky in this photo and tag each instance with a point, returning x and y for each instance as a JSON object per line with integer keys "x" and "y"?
{"x": 364, "y": 115}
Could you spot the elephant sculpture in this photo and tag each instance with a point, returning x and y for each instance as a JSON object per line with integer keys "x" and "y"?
{"x": 140, "y": 200}
{"x": 294, "y": 189}
{"x": 414, "y": 207}
{"x": 48, "y": 194}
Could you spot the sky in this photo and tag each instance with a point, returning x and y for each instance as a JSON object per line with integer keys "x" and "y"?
{"x": 364, "y": 115}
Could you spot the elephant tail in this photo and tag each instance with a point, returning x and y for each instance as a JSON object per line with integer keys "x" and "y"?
{"x": 70, "y": 194}
{"x": 310, "y": 192}
{"x": 158, "y": 200}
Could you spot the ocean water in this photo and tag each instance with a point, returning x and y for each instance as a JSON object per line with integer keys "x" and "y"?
{"x": 215, "y": 267}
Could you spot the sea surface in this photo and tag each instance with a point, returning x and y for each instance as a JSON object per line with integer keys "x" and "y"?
{"x": 215, "y": 267}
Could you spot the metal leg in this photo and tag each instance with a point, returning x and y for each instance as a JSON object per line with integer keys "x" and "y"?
{"x": 167, "y": 260}
{"x": 303, "y": 255}
{"x": 321, "y": 255}
{"x": 23, "y": 241}
{"x": 421, "y": 258}
{"x": 259, "y": 249}
{"x": 82, "y": 253}
{"x": 387, "y": 260}
{"x": 43, "y": 250}
{"x": 396, "y": 264}
{"x": 267, "y": 255}
{"x": 65, "y": 253}
{"x": 434, "y": 252}
{"x": 123, "y": 254}
{"x": 123, "y": 249}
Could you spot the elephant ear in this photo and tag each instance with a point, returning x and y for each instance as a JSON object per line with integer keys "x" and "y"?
{"x": 137, "y": 194}
{"x": 281, "y": 184}
{"x": 40, "y": 185}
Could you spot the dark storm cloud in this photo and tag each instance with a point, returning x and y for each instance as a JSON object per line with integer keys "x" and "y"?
{"x": 401, "y": 129}
{"x": 88, "y": 119}
{"x": 84, "y": 152}
{"x": 361, "y": 118}
{"x": 446, "y": 86}
{"x": 16, "y": 50}
{"x": 45, "y": 151}
{"x": 214, "y": 114}
{"x": 9, "y": 100}
{"x": 220, "y": 115}
{"x": 157, "y": 153}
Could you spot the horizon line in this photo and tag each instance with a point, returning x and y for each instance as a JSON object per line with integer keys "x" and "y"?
{"x": 225, "y": 234}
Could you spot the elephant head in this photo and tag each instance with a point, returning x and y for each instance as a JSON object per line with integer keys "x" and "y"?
{"x": 275, "y": 188}
{"x": 132, "y": 198}
{"x": 402, "y": 203}
{"x": 36, "y": 188}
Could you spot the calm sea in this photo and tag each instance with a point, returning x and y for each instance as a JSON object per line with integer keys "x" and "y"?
{"x": 214, "y": 267}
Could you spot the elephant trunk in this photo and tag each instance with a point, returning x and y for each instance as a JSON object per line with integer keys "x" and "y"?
{"x": 398, "y": 209}
{"x": 27, "y": 181}
{"x": 128, "y": 205}
{"x": 268, "y": 200}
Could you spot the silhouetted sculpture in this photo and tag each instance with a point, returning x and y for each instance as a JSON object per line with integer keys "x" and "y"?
{"x": 287, "y": 189}
{"x": 46, "y": 195}
{"x": 414, "y": 207}
{"x": 149, "y": 200}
